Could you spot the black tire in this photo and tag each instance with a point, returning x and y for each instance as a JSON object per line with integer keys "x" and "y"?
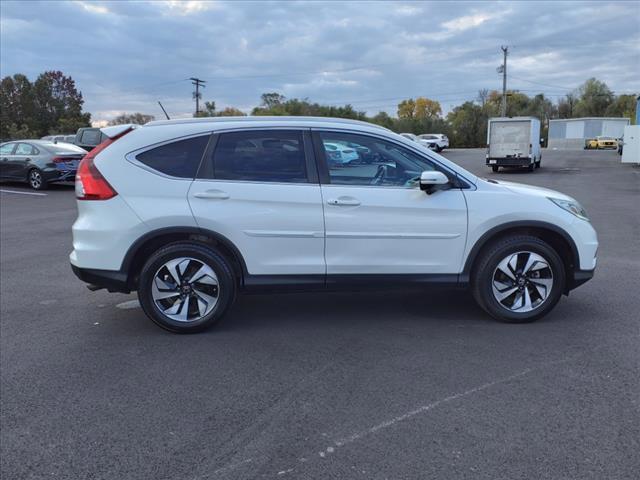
{"x": 487, "y": 262}
{"x": 494, "y": 168}
{"x": 531, "y": 167}
{"x": 438, "y": 148}
{"x": 226, "y": 286}
{"x": 538, "y": 163}
{"x": 36, "y": 180}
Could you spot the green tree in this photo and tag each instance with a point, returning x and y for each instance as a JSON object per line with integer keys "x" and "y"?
{"x": 595, "y": 97}
{"x": 231, "y": 112}
{"x": 623, "y": 106}
{"x": 136, "y": 118}
{"x": 16, "y": 106}
{"x": 58, "y": 103}
{"x": 209, "y": 110}
{"x": 468, "y": 125}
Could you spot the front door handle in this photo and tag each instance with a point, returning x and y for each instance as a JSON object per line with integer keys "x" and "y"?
{"x": 212, "y": 195}
{"x": 344, "y": 202}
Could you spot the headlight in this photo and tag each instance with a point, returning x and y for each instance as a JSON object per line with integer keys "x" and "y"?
{"x": 572, "y": 207}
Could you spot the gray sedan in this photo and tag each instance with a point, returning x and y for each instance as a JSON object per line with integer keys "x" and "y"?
{"x": 39, "y": 162}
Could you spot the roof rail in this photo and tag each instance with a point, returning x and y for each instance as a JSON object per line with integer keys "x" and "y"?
{"x": 258, "y": 118}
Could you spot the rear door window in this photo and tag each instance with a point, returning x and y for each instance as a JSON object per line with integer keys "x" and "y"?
{"x": 177, "y": 159}
{"x": 25, "y": 149}
{"x": 261, "y": 156}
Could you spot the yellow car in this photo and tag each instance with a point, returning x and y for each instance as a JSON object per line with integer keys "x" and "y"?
{"x": 599, "y": 143}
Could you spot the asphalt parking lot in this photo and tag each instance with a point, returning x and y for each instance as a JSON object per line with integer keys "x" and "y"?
{"x": 384, "y": 385}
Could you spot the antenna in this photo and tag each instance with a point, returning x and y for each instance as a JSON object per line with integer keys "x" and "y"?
{"x": 165, "y": 112}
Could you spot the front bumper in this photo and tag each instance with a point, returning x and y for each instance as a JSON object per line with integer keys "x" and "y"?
{"x": 578, "y": 278}
{"x": 112, "y": 280}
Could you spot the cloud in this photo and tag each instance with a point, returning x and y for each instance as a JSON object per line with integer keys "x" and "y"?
{"x": 125, "y": 56}
{"x": 466, "y": 22}
{"x": 93, "y": 7}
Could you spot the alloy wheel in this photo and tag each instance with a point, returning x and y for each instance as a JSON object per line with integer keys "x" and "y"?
{"x": 35, "y": 179}
{"x": 522, "y": 281}
{"x": 185, "y": 289}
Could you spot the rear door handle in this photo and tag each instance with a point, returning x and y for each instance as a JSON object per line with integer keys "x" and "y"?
{"x": 344, "y": 202}
{"x": 212, "y": 195}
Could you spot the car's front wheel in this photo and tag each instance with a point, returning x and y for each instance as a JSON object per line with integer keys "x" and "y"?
{"x": 185, "y": 287}
{"x": 518, "y": 279}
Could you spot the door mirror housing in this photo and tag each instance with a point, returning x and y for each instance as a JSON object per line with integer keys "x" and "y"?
{"x": 430, "y": 181}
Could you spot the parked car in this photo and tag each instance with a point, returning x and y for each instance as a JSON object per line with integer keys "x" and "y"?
{"x": 60, "y": 138}
{"x": 339, "y": 154}
{"x": 601, "y": 143}
{"x": 181, "y": 213}
{"x": 440, "y": 140}
{"x": 39, "y": 162}
{"x": 89, "y": 137}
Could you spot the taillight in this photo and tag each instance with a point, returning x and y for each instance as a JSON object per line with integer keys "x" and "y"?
{"x": 59, "y": 159}
{"x": 90, "y": 184}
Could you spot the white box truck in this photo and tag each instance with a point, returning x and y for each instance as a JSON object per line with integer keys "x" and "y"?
{"x": 513, "y": 142}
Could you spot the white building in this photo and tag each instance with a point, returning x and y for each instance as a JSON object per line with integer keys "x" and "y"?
{"x": 571, "y": 133}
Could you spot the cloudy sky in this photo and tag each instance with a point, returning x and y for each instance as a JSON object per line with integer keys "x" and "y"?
{"x": 125, "y": 56}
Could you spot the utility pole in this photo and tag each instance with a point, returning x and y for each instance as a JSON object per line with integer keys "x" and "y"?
{"x": 505, "y": 50}
{"x": 197, "y": 95}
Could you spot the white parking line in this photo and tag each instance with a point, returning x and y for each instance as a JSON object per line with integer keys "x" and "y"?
{"x": 24, "y": 193}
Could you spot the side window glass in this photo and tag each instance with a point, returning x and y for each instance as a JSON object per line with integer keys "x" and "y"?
{"x": 177, "y": 159}
{"x": 6, "y": 149}
{"x": 24, "y": 149}
{"x": 261, "y": 156}
{"x": 363, "y": 160}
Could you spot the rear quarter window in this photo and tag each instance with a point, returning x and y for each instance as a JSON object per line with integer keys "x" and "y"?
{"x": 177, "y": 159}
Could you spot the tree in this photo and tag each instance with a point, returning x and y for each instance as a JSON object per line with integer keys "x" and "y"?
{"x": 483, "y": 95}
{"x": 16, "y": 106}
{"x": 209, "y": 110}
{"x": 231, "y": 112}
{"x": 469, "y": 125}
{"x": 566, "y": 105}
{"x": 623, "y": 106}
{"x": 427, "y": 108}
{"x": 58, "y": 103}
{"x": 594, "y": 99}
{"x": 407, "y": 108}
{"x": 383, "y": 119}
{"x": 271, "y": 100}
{"x": 136, "y": 118}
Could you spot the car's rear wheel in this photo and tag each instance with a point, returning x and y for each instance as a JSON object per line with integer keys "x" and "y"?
{"x": 518, "y": 279}
{"x": 494, "y": 168}
{"x": 186, "y": 288}
{"x": 36, "y": 180}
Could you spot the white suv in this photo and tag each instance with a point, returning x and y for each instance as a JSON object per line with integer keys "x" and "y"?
{"x": 439, "y": 140}
{"x": 191, "y": 212}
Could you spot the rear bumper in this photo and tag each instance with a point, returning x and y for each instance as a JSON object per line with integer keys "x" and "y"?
{"x": 59, "y": 175}
{"x": 112, "y": 280}
{"x": 510, "y": 161}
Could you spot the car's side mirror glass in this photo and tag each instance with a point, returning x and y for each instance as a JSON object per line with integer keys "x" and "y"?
{"x": 430, "y": 181}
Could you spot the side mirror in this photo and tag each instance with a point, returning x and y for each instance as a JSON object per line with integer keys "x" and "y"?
{"x": 431, "y": 180}
{"x": 542, "y": 141}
